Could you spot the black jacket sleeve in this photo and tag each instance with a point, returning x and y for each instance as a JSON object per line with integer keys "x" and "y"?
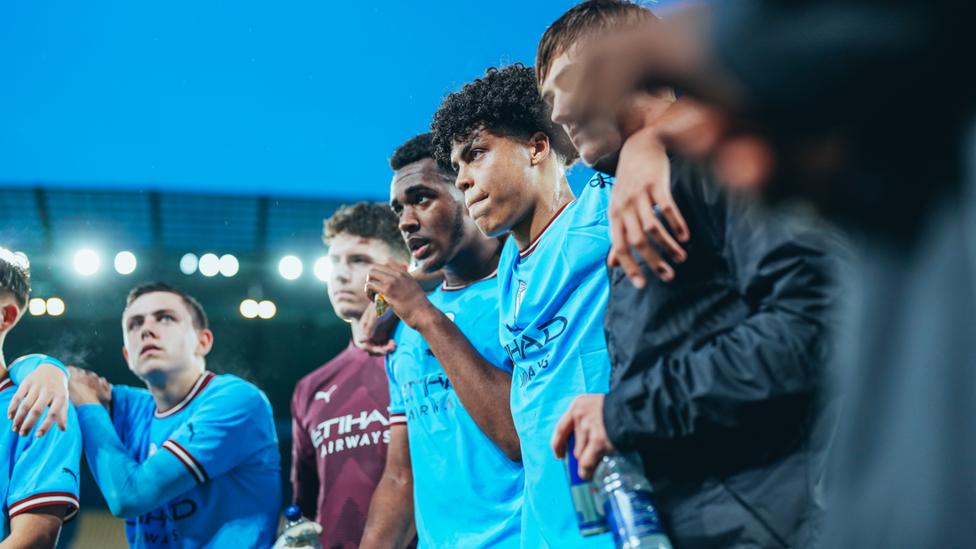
{"x": 754, "y": 356}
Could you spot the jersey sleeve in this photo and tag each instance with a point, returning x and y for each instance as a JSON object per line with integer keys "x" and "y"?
{"x": 132, "y": 411}
{"x": 230, "y": 425}
{"x": 398, "y": 412}
{"x": 25, "y": 366}
{"x": 45, "y": 471}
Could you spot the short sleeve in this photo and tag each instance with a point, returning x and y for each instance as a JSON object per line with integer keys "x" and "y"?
{"x": 46, "y": 470}
{"x": 398, "y": 413}
{"x": 232, "y": 423}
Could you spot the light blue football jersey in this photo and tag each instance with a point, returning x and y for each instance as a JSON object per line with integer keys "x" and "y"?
{"x": 553, "y": 296}
{"x": 223, "y": 432}
{"x": 467, "y": 493}
{"x": 37, "y": 472}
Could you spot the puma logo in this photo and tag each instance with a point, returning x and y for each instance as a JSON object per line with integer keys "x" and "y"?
{"x": 326, "y": 395}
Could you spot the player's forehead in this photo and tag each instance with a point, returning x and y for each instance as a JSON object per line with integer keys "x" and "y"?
{"x": 345, "y": 245}
{"x": 153, "y": 302}
{"x": 559, "y": 77}
{"x": 475, "y": 137}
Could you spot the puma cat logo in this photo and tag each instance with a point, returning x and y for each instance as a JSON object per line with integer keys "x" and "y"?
{"x": 326, "y": 395}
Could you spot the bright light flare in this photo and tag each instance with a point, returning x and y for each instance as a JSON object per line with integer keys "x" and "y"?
{"x": 86, "y": 262}
{"x": 323, "y": 269}
{"x": 125, "y": 262}
{"x": 266, "y": 309}
{"x": 229, "y": 265}
{"x": 188, "y": 264}
{"x": 249, "y": 308}
{"x": 36, "y": 306}
{"x": 290, "y": 267}
{"x": 209, "y": 265}
{"x": 55, "y": 306}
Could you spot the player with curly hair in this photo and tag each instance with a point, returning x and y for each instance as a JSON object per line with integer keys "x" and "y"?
{"x": 511, "y": 162}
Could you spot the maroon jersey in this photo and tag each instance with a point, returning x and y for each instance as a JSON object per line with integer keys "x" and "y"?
{"x": 341, "y": 430}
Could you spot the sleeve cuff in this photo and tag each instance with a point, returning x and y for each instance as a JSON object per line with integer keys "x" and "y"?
{"x": 398, "y": 418}
{"x": 45, "y": 499}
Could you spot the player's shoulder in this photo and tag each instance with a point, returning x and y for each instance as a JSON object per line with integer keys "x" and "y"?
{"x": 36, "y": 359}
{"x": 226, "y": 386}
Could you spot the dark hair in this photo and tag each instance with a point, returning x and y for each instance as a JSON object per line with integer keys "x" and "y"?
{"x": 200, "y": 321}
{"x": 368, "y": 221}
{"x": 14, "y": 276}
{"x": 418, "y": 148}
{"x": 506, "y": 101}
{"x": 582, "y": 22}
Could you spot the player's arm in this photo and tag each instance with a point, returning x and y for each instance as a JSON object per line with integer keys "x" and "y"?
{"x": 304, "y": 473}
{"x": 390, "y": 524}
{"x": 483, "y": 389}
{"x": 377, "y": 333}
{"x": 35, "y": 529}
{"x": 42, "y": 384}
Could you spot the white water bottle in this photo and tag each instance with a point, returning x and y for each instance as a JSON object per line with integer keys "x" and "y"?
{"x": 627, "y": 498}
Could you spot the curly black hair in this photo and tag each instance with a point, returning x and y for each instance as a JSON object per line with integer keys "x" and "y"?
{"x": 15, "y": 277}
{"x": 200, "y": 320}
{"x": 415, "y": 149}
{"x": 506, "y": 101}
{"x": 368, "y": 221}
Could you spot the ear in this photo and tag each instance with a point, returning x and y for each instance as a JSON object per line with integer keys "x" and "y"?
{"x": 125, "y": 353}
{"x": 539, "y": 148}
{"x": 11, "y": 314}
{"x": 204, "y": 342}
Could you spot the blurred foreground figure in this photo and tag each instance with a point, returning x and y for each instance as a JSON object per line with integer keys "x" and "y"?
{"x": 821, "y": 100}
{"x": 340, "y": 420}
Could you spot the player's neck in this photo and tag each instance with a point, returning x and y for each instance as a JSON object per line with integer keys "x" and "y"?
{"x": 546, "y": 208}
{"x": 356, "y": 330}
{"x": 474, "y": 262}
{"x": 168, "y": 391}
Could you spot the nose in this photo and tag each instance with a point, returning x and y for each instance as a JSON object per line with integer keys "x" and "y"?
{"x": 408, "y": 221}
{"x": 341, "y": 271}
{"x": 464, "y": 179}
{"x": 147, "y": 329}
{"x": 560, "y": 110}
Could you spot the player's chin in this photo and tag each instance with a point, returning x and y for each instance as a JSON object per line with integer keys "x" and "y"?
{"x": 489, "y": 226}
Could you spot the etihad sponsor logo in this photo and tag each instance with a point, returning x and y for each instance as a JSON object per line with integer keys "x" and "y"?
{"x": 539, "y": 338}
{"x": 343, "y": 425}
{"x": 431, "y": 407}
{"x": 154, "y": 527}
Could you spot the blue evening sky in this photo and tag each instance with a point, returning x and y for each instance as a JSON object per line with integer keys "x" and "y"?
{"x": 279, "y": 98}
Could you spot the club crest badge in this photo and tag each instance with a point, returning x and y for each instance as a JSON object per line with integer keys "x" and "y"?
{"x": 519, "y": 295}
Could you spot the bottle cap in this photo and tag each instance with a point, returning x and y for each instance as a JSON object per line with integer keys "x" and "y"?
{"x": 293, "y": 513}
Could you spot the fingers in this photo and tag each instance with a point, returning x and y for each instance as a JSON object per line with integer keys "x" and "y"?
{"x": 57, "y": 408}
{"x": 636, "y": 239}
{"x": 620, "y": 252}
{"x": 665, "y": 204}
{"x": 560, "y": 436}
{"x": 652, "y": 227}
{"x": 41, "y": 403}
{"x": 590, "y": 456}
{"x": 15, "y": 402}
{"x": 26, "y": 404}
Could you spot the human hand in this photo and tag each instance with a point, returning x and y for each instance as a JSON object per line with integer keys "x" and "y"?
{"x": 87, "y": 387}
{"x": 376, "y": 333}
{"x": 585, "y": 419}
{"x": 45, "y": 388}
{"x": 641, "y": 190}
{"x": 400, "y": 290}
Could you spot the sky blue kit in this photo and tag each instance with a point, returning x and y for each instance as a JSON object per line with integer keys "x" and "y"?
{"x": 213, "y": 459}
{"x": 36, "y": 472}
{"x": 467, "y": 493}
{"x": 553, "y": 297}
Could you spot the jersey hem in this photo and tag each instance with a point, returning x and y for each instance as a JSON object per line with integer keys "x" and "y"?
{"x": 43, "y": 500}
{"x": 197, "y": 470}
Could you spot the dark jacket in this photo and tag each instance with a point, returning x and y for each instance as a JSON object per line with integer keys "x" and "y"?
{"x": 719, "y": 376}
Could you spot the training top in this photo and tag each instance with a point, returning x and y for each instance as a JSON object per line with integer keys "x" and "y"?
{"x": 341, "y": 432}
{"x": 553, "y": 296}
{"x": 37, "y": 472}
{"x": 223, "y": 439}
{"x": 467, "y": 493}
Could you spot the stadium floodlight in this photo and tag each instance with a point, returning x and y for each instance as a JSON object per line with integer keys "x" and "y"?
{"x": 188, "y": 264}
{"x": 86, "y": 262}
{"x": 125, "y": 263}
{"x": 323, "y": 269}
{"x": 290, "y": 267}
{"x": 249, "y": 308}
{"x": 229, "y": 265}
{"x": 36, "y": 306}
{"x": 55, "y": 306}
{"x": 209, "y": 265}
{"x": 266, "y": 309}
